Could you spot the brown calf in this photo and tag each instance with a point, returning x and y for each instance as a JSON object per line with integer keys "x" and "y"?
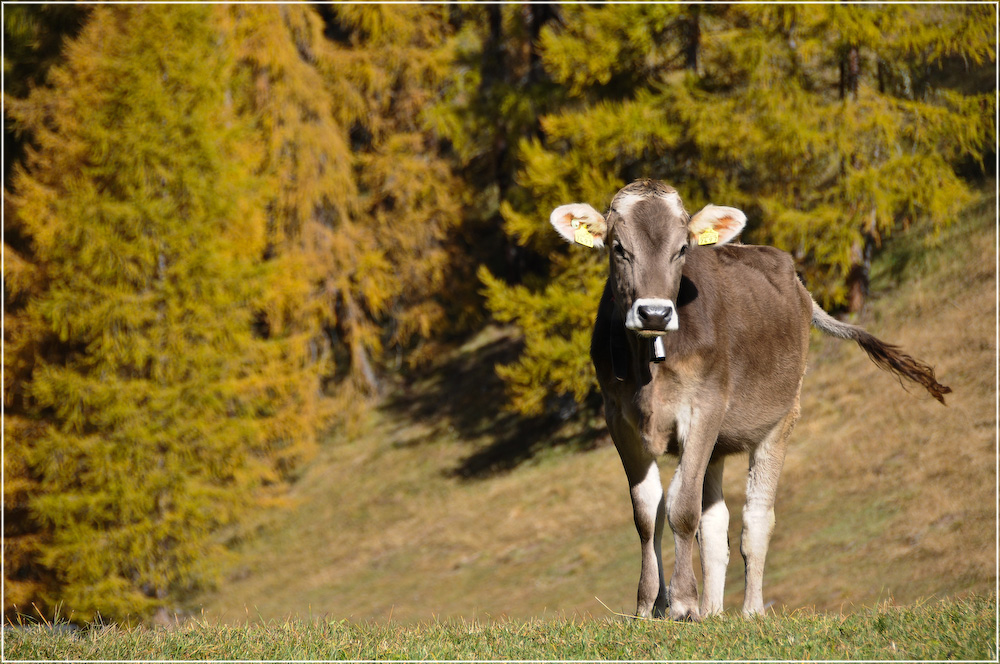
{"x": 700, "y": 348}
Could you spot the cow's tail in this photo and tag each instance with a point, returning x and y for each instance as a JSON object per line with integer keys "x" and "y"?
{"x": 886, "y": 356}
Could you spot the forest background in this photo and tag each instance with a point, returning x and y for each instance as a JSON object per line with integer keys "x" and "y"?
{"x": 229, "y": 230}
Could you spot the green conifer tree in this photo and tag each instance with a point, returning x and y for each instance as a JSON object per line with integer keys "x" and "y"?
{"x": 148, "y": 409}
{"x": 494, "y": 97}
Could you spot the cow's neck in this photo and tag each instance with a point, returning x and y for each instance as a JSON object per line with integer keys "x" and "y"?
{"x": 643, "y": 355}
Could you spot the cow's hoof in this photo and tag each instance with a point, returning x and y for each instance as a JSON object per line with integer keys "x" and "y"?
{"x": 684, "y": 614}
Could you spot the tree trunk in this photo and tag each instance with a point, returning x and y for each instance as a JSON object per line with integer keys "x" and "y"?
{"x": 361, "y": 366}
{"x": 850, "y": 73}
{"x": 536, "y": 16}
{"x": 859, "y": 276}
{"x": 692, "y": 38}
{"x": 493, "y": 75}
{"x": 861, "y": 253}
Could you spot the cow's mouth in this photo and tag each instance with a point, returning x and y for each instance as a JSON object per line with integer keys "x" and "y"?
{"x": 651, "y": 317}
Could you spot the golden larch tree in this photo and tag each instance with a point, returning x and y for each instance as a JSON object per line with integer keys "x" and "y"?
{"x": 146, "y": 406}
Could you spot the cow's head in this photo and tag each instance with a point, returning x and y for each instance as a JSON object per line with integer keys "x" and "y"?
{"x": 648, "y": 232}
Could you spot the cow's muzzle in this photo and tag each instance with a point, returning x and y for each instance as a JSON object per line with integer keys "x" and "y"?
{"x": 651, "y": 317}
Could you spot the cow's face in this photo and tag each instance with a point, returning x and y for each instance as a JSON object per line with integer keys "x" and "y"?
{"x": 649, "y": 234}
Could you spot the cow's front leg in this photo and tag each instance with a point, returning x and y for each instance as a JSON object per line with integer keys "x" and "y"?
{"x": 648, "y": 511}
{"x": 684, "y": 505}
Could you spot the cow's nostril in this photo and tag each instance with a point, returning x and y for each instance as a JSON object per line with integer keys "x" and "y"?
{"x": 654, "y": 316}
{"x": 649, "y": 315}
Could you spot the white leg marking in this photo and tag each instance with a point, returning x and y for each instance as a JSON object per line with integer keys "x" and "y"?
{"x": 647, "y": 498}
{"x": 758, "y": 524}
{"x": 758, "y": 514}
{"x": 649, "y": 491}
{"x": 713, "y": 539}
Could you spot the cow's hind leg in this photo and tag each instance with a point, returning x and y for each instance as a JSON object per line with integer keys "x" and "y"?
{"x": 758, "y": 514}
{"x": 713, "y": 539}
{"x": 648, "y": 510}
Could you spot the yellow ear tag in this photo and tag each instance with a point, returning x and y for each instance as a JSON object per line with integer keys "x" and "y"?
{"x": 708, "y": 236}
{"x": 582, "y": 235}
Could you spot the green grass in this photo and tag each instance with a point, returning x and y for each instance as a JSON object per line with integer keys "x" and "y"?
{"x": 962, "y": 629}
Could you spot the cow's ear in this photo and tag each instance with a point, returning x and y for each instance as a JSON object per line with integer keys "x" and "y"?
{"x": 580, "y": 223}
{"x": 716, "y": 224}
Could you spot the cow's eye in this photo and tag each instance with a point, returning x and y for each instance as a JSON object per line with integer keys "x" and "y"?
{"x": 619, "y": 249}
{"x": 682, "y": 251}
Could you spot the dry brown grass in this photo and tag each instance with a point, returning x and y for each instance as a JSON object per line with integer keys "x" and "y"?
{"x": 884, "y": 493}
{"x": 889, "y": 494}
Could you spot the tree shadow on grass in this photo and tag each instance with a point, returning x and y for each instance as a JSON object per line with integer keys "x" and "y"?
{"x": 463, "y": 394}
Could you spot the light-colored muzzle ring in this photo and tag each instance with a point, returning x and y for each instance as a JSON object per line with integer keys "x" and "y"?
{"x": 634, "y": 319}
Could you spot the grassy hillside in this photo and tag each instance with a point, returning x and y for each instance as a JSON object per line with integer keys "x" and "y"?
{"x": 447, "y": 508}
{"x": 961, "y": 630}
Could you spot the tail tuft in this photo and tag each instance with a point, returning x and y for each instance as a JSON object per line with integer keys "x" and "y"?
{"x": 885, "y": 356}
